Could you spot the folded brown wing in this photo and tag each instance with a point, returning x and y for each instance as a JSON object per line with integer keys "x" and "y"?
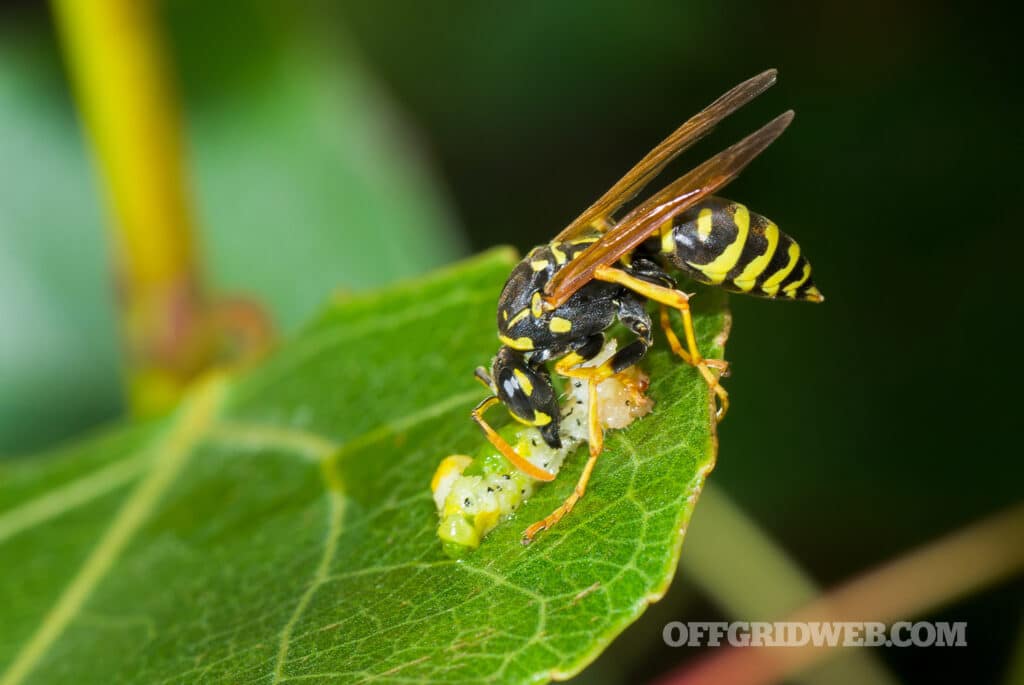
{"x": 675, "y": 198}
{"x": 651, "y": 165}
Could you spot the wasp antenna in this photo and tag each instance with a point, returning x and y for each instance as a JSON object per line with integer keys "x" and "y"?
{"x": 484, "y": 377}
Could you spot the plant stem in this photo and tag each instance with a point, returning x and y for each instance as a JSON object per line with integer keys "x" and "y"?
{"x": 120, "y": 76}
{"x": 740, "y": 567}
{"x": 925, "y": 579}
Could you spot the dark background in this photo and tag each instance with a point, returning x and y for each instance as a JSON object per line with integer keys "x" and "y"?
{"x": 859, "y": 428}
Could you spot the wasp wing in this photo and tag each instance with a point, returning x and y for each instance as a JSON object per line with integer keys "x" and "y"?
{"x": 651, "y": 165}
{"x": 677, "y": 197}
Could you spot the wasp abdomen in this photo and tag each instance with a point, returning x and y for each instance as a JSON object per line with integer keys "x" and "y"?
{"x": 722, "y": 243}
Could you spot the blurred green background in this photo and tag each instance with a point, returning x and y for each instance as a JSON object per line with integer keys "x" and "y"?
{"x": 342, "y": 146}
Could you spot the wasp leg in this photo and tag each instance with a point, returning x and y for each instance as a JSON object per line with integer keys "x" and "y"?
{"x": 593, "y": 376}
{"x": 633, "y": 314}
{"x": 623, "y": 359}
{"x": 570, "y": 501}
{"x": 680, "y": 301}
{"x": 568, "y": 367}
{"x": 502, "y": 445}
{"x": 677, "y": 347}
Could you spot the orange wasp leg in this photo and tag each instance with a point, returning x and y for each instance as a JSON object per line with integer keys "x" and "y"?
{"x": 502, "y": 445}
{"x": 677, "y": 347}
{"x": 593, "y": 376}
{"x": 679, "y": 301}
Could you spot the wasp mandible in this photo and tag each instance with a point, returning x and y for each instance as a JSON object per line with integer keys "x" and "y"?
{"x": 562, "y": 297}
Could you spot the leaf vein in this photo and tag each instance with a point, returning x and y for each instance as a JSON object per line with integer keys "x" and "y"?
{"x": 335, "y": 520}
{"x": 172, "y": 454}
{"x": 70, "y": 496}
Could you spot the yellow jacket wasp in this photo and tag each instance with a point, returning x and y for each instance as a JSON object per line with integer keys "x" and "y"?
{"x": 562, "y": 297}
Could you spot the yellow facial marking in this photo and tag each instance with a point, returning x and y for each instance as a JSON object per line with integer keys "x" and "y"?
{"x": 504, "y": 314}
{"x": 704, "y": 223}
{"x": 520, "y": 419}
{"x": 522, "y": 344}
{"x": 745, "y": 281}
{"x": 560, "y": 325}
{"x": 540, "y": 418}
{"x": 536, "y": 305}
{"x": 520, "y": 315}
{"x": 790, "y": 290}
{"x": 524, "y": 381}
{"x": 771, "y": 286}
{"x": 668, "y": 243}
{"x": 560, "y": 257}
{"x": 717, "y": 269}
{"x": 539, "y": 264}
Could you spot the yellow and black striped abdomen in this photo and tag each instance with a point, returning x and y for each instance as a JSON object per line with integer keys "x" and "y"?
{"x": 723, "y": 243}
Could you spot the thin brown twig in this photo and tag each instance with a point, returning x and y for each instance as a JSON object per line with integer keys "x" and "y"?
{"x": 934, "y": 575}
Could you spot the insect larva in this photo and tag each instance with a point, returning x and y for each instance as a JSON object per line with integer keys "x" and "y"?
{"x": 469, "y": 493}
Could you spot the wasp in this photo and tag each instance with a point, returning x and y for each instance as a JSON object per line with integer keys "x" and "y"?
{"x": 562, "y": 297}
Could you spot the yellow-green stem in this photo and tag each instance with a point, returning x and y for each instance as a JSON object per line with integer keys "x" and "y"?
{"x": 122, "y": 82}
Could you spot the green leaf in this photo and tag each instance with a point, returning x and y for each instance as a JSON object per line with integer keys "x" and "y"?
{"x": 280, "y": 525}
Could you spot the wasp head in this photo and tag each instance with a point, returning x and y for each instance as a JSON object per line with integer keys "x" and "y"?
{"x": 526, "y": 391}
